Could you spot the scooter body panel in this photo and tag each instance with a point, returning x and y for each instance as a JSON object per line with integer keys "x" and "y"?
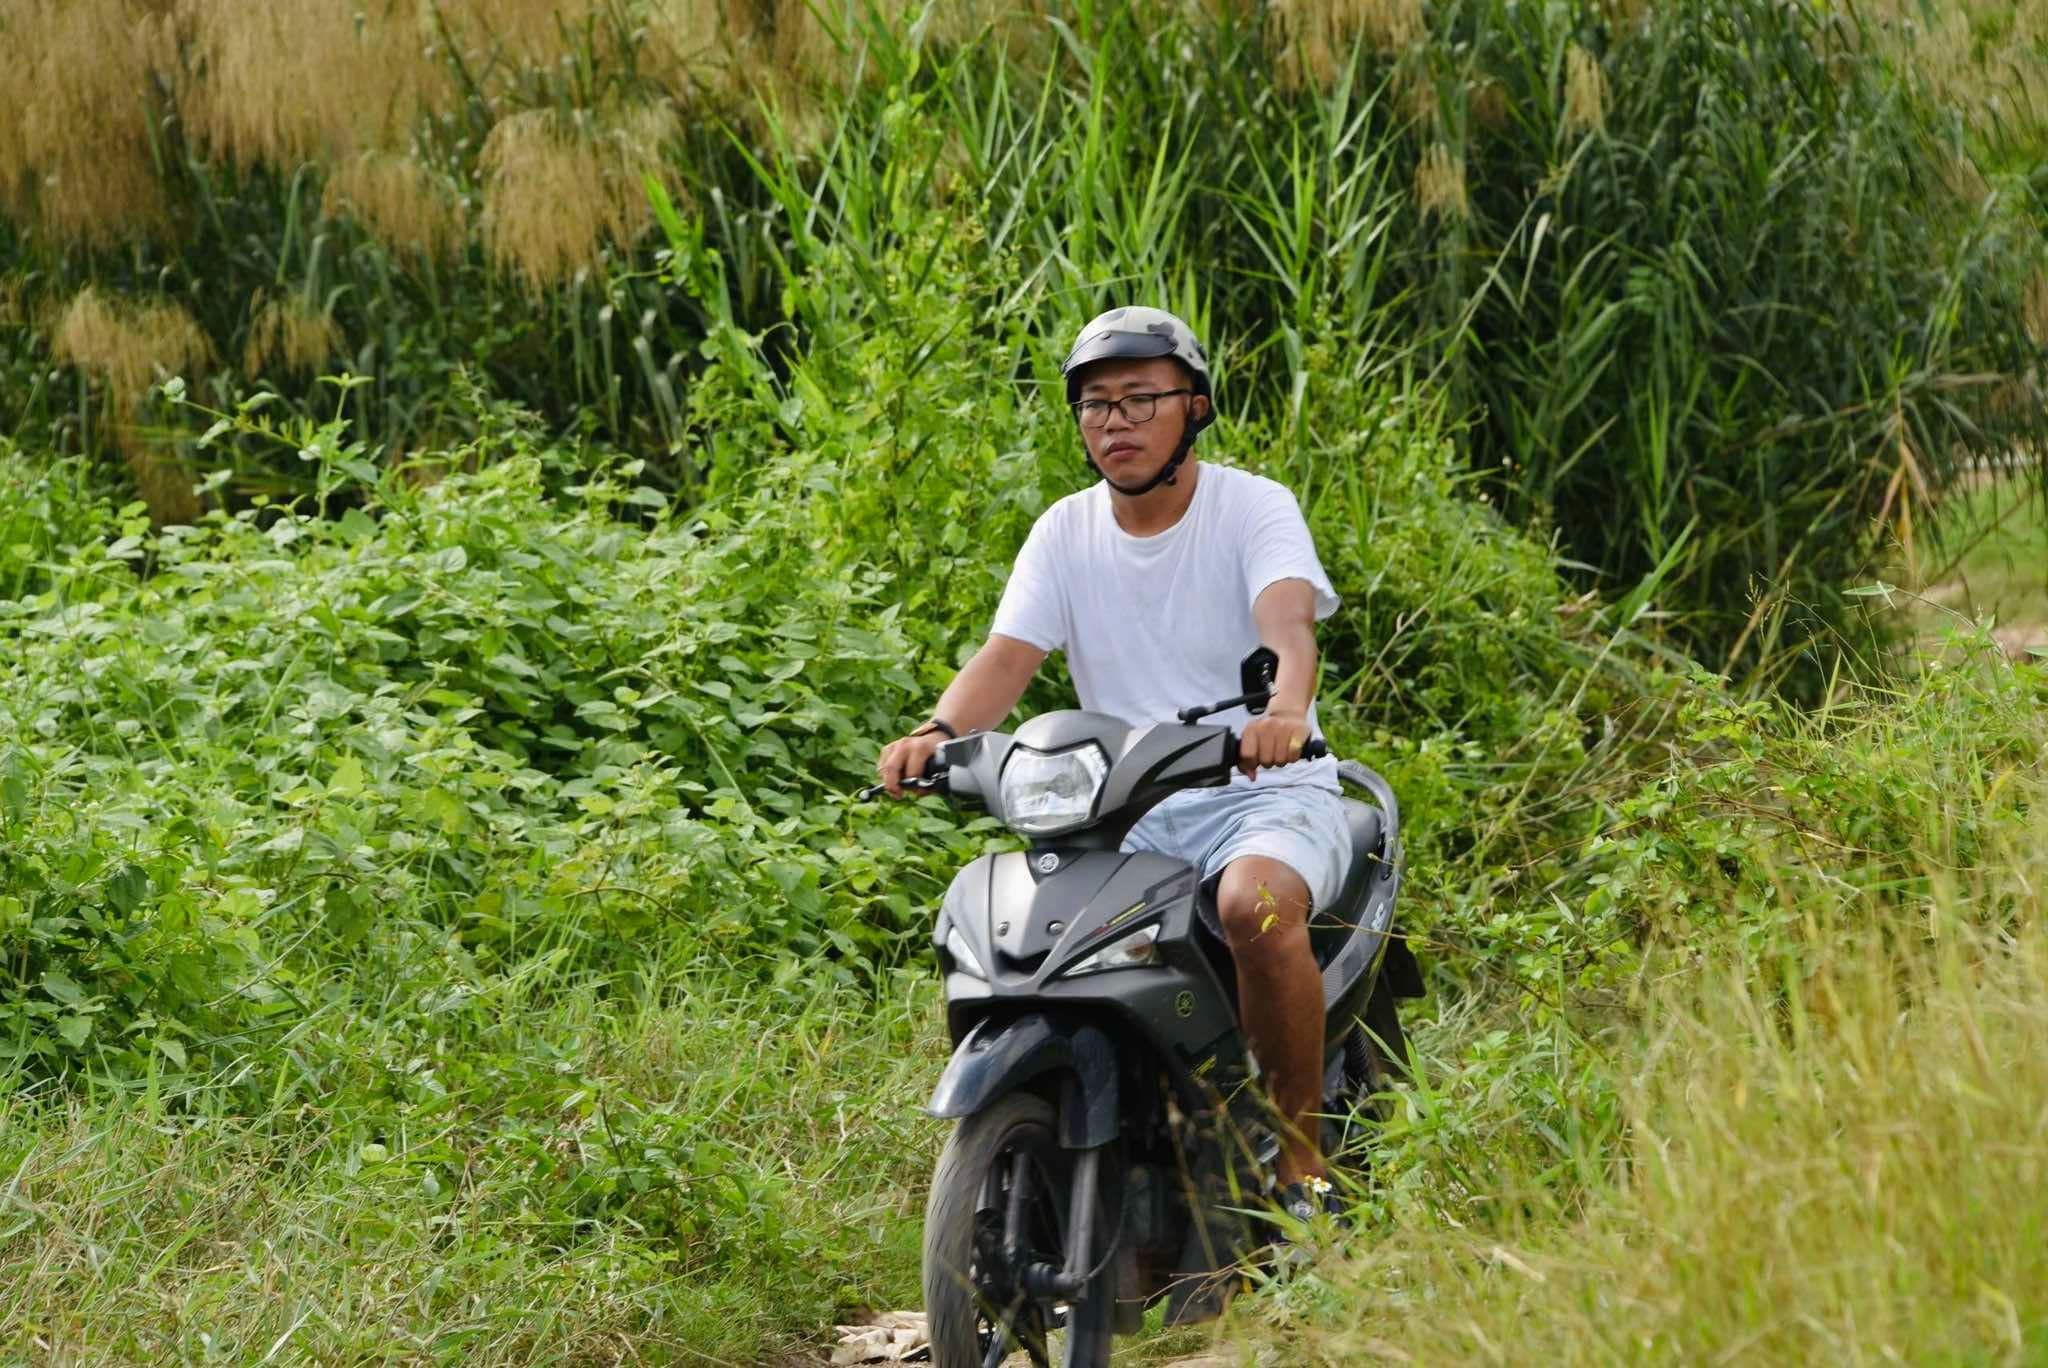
{"x": 998, "y": 1057}
{"x": 1031, "y": 920}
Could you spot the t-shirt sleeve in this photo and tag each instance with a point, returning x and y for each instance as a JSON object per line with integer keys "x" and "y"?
{"x": 1033, "y": 609}
{"x": 1278, "y": 546}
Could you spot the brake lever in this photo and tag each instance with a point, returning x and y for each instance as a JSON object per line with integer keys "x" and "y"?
{"x": 935, "y": 784}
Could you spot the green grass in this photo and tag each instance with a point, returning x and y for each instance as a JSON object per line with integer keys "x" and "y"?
{"x": 720, "y": 1168}
{"x": 1840, "y": 1164}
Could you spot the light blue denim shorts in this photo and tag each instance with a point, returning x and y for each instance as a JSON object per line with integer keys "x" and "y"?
{"x": 1300, "y": 825}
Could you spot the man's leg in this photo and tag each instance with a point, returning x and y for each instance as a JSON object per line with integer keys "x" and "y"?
{"x": 1263, "y": 905}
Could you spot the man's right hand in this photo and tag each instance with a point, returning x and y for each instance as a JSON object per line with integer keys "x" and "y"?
{"x": 906, "y": 759}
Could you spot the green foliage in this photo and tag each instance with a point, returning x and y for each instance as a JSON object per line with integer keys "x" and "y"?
{"x": 1735, "y": 313}
{"x": 239, "y": 742}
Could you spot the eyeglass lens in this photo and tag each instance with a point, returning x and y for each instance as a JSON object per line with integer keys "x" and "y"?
{"x": 1136, "y": 408}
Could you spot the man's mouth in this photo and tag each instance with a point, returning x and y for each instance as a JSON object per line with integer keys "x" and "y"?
{"x": 1116, "y": 450}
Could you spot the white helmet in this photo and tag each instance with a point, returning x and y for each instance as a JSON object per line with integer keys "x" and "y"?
{"x": 1140, "y": 332}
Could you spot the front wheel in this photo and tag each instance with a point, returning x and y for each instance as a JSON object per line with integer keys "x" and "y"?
{"x": 1006, "y": 1157}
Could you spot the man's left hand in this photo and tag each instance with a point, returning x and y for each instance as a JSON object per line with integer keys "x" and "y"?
{"x": 1274, "y": 739}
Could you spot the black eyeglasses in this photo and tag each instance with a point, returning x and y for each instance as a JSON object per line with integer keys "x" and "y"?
{"x": 1136, "y": 408}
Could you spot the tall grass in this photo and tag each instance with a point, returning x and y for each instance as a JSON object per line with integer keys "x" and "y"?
{"x": 1718, "y": 287}
{"x": 1844, "y": 1164}
{"x": 1761, "y": 1080}
{"x": 1718, "y": 337}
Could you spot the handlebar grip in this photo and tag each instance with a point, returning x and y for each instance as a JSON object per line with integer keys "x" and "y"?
{"x": 1316, "y": 749}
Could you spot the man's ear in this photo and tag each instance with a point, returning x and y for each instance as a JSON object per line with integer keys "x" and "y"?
{"x": 1199, "y": 407}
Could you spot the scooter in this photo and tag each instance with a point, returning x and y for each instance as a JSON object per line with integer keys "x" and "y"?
{"x": 1111, "y": 1145}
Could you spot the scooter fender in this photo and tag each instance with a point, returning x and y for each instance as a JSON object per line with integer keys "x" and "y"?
{"x": 992, "y": 1060}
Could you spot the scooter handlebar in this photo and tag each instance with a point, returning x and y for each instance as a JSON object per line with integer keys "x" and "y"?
{"x": 934, "y": 779}
{"x": 1315, "y": 749}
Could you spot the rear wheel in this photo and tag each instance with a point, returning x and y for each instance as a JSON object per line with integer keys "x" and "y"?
{"x": 974, "y": 1313}
{"x": 1369, "y": 1070}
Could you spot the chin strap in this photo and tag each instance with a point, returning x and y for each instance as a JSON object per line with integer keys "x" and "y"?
{"x": 1166, "y": 474}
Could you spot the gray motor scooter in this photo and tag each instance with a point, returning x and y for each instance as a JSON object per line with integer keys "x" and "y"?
{"x": 1108, "y": 1139}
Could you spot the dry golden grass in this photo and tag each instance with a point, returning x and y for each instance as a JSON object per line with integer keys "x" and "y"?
{"x": 1316, "y": 35}
{"x": 75, "y": 153}
{"x": 1585, "y": 92}
{"x": 711, "y": 46}
{"x": 129, "y": 347}
{"x": 809, "y": 37}
{"x": 1488, "y": 100}
{"x": 294, "y": 81}
{"x": 1440, "y": 183}
{"x": 346, "y": 87}
{"x": 556, "y": 191}
{"x": 406, "y": 205}
{"x": 287, "y": 334}
{"x": 1985, "y": 58}
{"x": 499, "y": 38}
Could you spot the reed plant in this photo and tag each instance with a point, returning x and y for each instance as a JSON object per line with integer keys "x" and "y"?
{"x": 1727, "y": 317}
{"x": 78, "y": 159}
{"x": 1723, "y": 301}
{"x": 131, "y": 346}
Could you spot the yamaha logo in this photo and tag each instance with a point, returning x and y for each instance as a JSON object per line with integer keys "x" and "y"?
{"x": 1048, "y": 862}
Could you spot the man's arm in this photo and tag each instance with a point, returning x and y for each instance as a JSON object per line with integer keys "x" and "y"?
{"x": 981, "y": 695}
{"x": 1285, "y": 615}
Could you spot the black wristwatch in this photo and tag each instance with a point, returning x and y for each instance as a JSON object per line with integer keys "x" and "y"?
{"x": 938, "y": 724}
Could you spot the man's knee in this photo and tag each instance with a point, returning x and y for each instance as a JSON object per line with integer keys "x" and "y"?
{"x": 1260, "y": 901}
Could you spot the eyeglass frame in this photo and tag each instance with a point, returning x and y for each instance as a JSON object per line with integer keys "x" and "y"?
{"x": 1118, "y": 405}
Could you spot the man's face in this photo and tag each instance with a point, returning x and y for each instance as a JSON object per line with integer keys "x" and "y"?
{"x": 1131, "y": 453}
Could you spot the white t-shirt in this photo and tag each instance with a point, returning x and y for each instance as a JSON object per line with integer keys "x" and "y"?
{"x": 1152, "y": 624}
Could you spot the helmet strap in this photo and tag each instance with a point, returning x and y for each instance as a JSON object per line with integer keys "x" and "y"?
{"x": 1167, "y": 473}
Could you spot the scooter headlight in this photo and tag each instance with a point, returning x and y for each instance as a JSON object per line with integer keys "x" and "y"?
{"x": 1047, "y": 793}
{"x": 964, "y": 961}
{"x": 1135, "y": 951}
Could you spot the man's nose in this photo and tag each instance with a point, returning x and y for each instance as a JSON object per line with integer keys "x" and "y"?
{"x": 1116, "y": 421}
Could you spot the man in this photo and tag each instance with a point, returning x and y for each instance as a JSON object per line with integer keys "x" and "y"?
{"x": 1157, "y": 582}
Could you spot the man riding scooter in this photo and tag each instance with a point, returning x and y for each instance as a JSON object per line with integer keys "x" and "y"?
{"x": 1156, "y": 582}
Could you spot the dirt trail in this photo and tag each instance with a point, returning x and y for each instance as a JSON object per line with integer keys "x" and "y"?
{"x": 893, "y": 1337}
{"x": 2018, "y": 638}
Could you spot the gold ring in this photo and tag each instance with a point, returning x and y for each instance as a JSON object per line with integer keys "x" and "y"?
{"x": 1297, "y": 743}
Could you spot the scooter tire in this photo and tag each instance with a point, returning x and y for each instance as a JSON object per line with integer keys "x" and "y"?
{"x": 955, "y": 1315}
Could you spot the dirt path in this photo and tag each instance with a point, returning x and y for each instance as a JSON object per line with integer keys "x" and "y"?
{"x": 893, "y": 1337}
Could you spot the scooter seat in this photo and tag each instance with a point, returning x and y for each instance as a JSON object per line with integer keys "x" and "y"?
{"x": 1330, "y": 927}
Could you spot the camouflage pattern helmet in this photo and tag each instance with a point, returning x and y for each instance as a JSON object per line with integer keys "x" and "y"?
{"x": 1138, "y": 332}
